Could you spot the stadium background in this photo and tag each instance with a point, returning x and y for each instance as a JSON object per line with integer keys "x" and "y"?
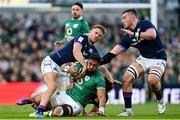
{"x": 28, "y": 32}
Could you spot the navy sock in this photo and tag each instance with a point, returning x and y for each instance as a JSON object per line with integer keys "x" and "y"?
{"x": 158, "y": 95}
{"x": 127, "y": 99}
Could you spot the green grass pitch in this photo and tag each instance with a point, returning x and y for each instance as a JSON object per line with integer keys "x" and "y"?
{"x": 142, "y": 111}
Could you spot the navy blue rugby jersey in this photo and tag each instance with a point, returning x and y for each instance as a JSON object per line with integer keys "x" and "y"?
{"x": 147, "y": 48}
{"x": 65, "y": 54}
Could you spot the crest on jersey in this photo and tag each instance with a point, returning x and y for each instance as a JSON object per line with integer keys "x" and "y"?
{"x": 87, "y": 78}
{"x": 90, "y": 50}
{"x": 69, "y": 31}
{"x": 75, "y": 25}
{"x": 80, "y": 81}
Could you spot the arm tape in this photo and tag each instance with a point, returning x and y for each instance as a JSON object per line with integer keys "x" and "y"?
{"x": 107, "y": 58}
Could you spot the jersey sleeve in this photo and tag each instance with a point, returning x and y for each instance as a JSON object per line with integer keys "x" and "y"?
{"x": 125, "y": 42}
{"x": 85, "y": 26}
{"x": 80, "y": 39}
{"x": 100, "y": 82}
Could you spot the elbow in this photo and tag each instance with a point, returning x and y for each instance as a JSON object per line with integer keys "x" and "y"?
{"x": 153, "y": 36}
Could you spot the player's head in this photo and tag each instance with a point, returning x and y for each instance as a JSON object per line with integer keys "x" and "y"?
{"x": 77, "y": 10}
{"x": 92, "y": 63}
{"x": 128, "y": 17}
{"x": 96, "y": 33}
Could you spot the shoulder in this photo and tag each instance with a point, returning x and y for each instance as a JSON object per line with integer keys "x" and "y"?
{"x": 84, "y": 21}
{"x": 81, "y": 38}
{"x": 99, "y": 75}
{"x": 146, "y": 23}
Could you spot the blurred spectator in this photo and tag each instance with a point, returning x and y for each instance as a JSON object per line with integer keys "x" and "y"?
{"x": 24, "y": 41}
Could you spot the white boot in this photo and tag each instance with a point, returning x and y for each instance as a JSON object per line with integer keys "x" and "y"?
{"x": 126, "y": 113}
{"x": 161, "y": 106}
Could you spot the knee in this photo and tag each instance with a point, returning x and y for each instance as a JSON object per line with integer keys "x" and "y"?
{"x": 152, "y": 80}
{"x": 126, "y": 81}
{"x": 58, "y": 111}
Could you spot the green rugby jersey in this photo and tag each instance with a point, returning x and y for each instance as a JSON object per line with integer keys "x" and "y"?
{"x": 74, "y": 28}
{"x": 86, "y": 87}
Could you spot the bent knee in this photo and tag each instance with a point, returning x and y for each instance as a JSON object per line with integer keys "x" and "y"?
{"x": 58, "y": 111}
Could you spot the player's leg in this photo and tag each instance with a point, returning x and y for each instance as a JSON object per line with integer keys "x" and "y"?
{"x": 49, "y": 71}
{"x": 154, "y": 78}
{"x": 132, "y": 72}
{"x": 34, "y": 98}
{"x": 65, "y": 106}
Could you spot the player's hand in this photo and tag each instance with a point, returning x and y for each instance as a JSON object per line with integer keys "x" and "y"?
{"x": 73, "y": 72}
{"x": 128, "y": 32}
{"x": 100, "y": 113}
{"x": 91, "y": 114}
{"x": 117, "y": 82}
{"x": 58, "y": 44}
{"x": 82, "y": 72}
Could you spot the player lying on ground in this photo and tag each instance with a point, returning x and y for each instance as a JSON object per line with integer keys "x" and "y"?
{"x": 72, "y": 101}
{"x": 78, "y": 49}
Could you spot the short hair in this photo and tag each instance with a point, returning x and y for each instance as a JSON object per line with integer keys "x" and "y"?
{"x": 78, "y": 4}
{"x": 101, "y": 27}
{"x": 132, "y": 11}
{"x": 95, "y": 56}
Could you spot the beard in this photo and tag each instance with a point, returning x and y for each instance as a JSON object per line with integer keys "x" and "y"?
{"x": 89, "y": 72}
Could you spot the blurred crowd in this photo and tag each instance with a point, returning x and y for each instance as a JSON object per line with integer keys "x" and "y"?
{"x": 24, "y": 41}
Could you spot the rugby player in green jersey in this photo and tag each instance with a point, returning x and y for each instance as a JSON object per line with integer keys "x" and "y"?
{"x": 74, "y": 26}
{"x": 72, "y": 101}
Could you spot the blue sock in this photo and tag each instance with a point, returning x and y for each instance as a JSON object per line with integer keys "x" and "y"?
{"x": 127, "y": 99}
{"x": 41, "y": 109}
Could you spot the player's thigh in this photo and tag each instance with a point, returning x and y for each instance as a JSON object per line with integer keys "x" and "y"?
{"x": 134, "y": 71}
{"x": 49, "y": 70}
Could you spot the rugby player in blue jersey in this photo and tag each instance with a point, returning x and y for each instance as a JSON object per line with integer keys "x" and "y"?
{"x": 152, "y": 60}
{"x": 78, "y": 49}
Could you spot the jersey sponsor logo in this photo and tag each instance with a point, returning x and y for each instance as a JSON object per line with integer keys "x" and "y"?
{"x": 80, "y": 81}
{"x": 80, "y": 39}
{"x": 87, "y": 78}
{"x": 75, "y": 25}
{"x": 69, "y": 31}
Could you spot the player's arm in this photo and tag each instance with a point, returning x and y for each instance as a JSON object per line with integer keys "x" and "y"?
{"x": 112, "y": 54}
{"x": 106, "y": 73}
{"x": 78, "y": 55}
{"x": 102, "y": 100}
{"x": 149, "y": 34}
{"x": 85, "y": 27}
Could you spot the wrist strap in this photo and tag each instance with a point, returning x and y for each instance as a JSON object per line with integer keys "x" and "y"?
{"x": 101, "y": 109}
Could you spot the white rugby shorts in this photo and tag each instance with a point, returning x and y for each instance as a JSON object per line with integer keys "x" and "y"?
{"x": 48, "y": 65}
{"x": 60, "y": 98}
{"x": 148, "y": 63}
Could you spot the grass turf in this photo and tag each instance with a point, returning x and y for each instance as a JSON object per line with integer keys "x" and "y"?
{"x": 141, "y": 111}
